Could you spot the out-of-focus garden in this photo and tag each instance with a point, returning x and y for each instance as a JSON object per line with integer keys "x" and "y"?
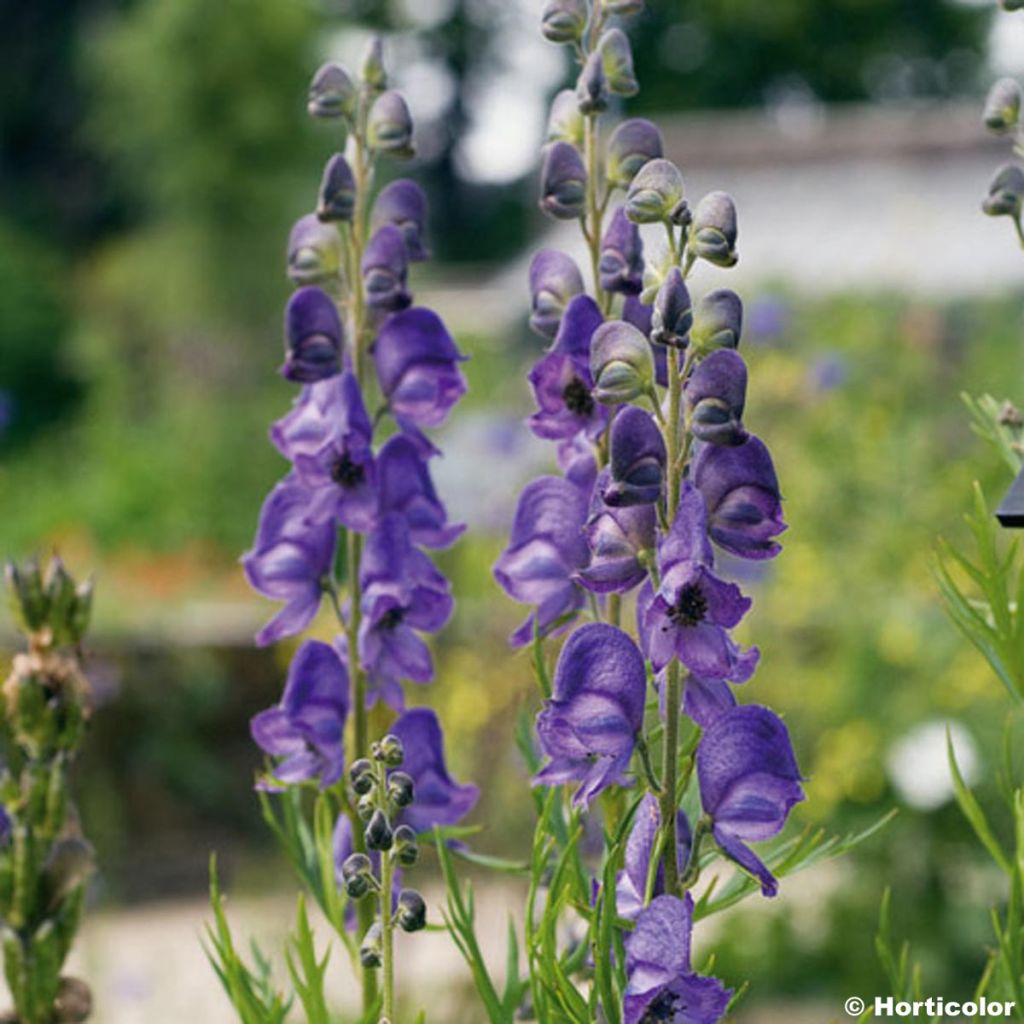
{"x": 153, "y": 155}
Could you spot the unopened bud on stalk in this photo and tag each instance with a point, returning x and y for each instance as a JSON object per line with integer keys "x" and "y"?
{"x": 1002, "y": 106}
{"x": 715, "y": 397}
{"x": 565, "y": 122}
{"x": 332, "y": 93}
{"x": 718, "y": 321}
{"x": 357, "y": 874}
{"x": 656, "y": 194}
{"x": 366, "y": 805}
{"x": 337, "y": 198}
{"x": 371, "y": 949}
{"x": 621, "y": 263}
{"x": 563, "y": 182}
{"x": 407, "y": 850}
{"x": 672, "y": 317}
{"x": 563, "y": 21}
{"x": 361, "y": 776}
{"x": 403, "y": 204}
{"x": 314, "y": 251}
{"x": 1005, "y": 193}
{"x": 313, "y": 337}
{"x": 617, "y": 58}
{"x": 385, "y": 269}
{"x": 389, "y": 750}
{"x": 412, "y": 911}
{"x": 372, "y": 71}
{"x": 378, "y": 832}
{"x": 401, "y": 790}
{"x": 389, "y": 127}
{"x": 632, "y": 144}
{"x": 592, "y": 86}
{"x": 621, "y": 363}
{"x": 713, "y": 230}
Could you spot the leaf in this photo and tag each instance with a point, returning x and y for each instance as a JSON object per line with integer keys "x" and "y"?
{"x": 973, "y": 813}
{"x": 308, "y": 976}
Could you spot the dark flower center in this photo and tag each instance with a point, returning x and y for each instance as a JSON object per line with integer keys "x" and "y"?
{"x": 577, "y": 398}
{"x": 662, "y": 1009}
{"x": 392, "y": 618}
{"x": 691, "y": 606}
{"x": 347, "y": 473}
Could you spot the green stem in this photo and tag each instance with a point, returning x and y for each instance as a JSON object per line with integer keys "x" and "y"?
{"x": 592, "y": 225}
{"x": 615, "y": 609}
{"x": 692, "y": 873}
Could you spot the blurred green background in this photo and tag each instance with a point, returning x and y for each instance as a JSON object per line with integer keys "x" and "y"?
{"x": 153, "y": 154}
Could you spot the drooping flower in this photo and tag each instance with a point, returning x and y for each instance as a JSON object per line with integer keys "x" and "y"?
{"x": 640, "y": 859}
{"x": 313, "y": 336}
{"x": 741, "y": 491}
{"x": 691, "y": 613}
{"x": 314, "y": 252}
{"x": 1005, "y": 192}
{"x": 306, "y": 730}
{"x": 439, "y": 799}
{"x": 405, "y": 487}
{"x": 715, "y": 396}
{"x": 554, "y": 281}
{"x": 545, "y": 550}
{"x": 662, "y": 986}
{"x": 403, "y": 594}
{"x": 403, "y": 204}
{"x": 619, "y": 540}
{"x": 289, "y": 559}
{"x": 749, "y": 781}
{"x": 418, "y": 367}
{"x": 637, "y": 459}
{"x": 385, "y": 268}
{"x": 563, "y": 182}
{"x": 562, "y": 382}
{"x": 621, "y": 267}
{"x": 588, "y": 728}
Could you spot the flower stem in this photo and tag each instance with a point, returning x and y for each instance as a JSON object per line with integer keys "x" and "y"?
{"x": 592, "y": 226}
{"x": 387, "y": 918}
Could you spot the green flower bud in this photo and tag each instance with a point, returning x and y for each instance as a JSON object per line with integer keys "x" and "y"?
{"x": 389, "y": 750}
{"x": 331, "y": 93}
{"x": 30, "y": 600}
{"x": 407, "y": 850}
{"x": 378, "y": 832}
{"x": 565, "y": 122}
{"x": 621, "y": 363}
{"x": 73, "y": 1003}
{"x": 372, "y": 69}
{"x": 592, "y": 86}
{"x": 371, "y": 949}
{"x": 656, "y": 194}
{"x": 314, "y": 252}
{"x": 617, "y": 58}
{"x": 632, "y": 144}
{"x": 713, "y": 230}
{"x": 412, "y": 911}
{"x": 1005, "y": 193}
{"x": 563, "y": 21}
{"x": 389, "y": 127}
{"x": 401, "y": 790}
{"x": 365, "y": 806}
{"x": 1002, "y": 106}
{"x": 717, "y": 321}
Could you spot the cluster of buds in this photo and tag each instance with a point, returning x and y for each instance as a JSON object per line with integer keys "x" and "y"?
{"x": 44, "y": 862}
{"x": 1002, "y": 117}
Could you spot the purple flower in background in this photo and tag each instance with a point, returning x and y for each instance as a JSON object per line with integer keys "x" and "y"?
{"x": 313, "y": 336}
{"x": 439, "y": 799}
{"x": 402, "y": 592}
{"x": 690, "y": 614}
{"x": 306, "y": 730}
{"x": 417, "y": 366}
{"x": 562, "y": 382}
{"x": 554, "y": 281}
{"x": 618, "y": 539}
{"x": 640, "y": 860}
{"x": 403, "y": 204}
{"x": 637, "y": 459}
{"x": 715, "y": 396}
{"x": 385, "y": 267}
{"x": 289, "y": 559}
{"x": 405, "y": 487}
{"x": 741, "y": 491}
{"x": 340, "y": 472}
{"x": 588, "y": 729}
{"x": 749, "y": 780}
{"x": 662, "y": 985}
{"x": 622, "y": 256}
{"x": 545, "y": 551}
{"x": 577, "y": 459}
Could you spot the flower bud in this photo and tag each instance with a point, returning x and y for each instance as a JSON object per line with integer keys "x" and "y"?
{"x": 592, "y": 86}
{"x": 361, "y": 775}
{"x": 621, "y": 266}
{"x": 1005, "y": 193}
{"x": 403, "y": 204}
{"x": 371, "y": 949}
{"x": 563, "y": 182}
{"x": 617, "y": 58}
{"x": 673, "y": 312}
{"x": 554, "y": 281}
{"x": 401, "y": 790}
{"x": 620, "y": 362}
{"x": 366, "y": 805}
{"x": 389, "y": 127}
{"x": 713, "y": 230}
{"x": 337, "y": 198}
{"x": 565, "y": 122}
{"x": 29, "y": 599}
{"x": 407, "y": 850}
{"x": 372, "y": 71}
{"x": 632, "y": 144}
{"x": 637, "y": 460}
{"x": 313, "y": 337}
{"x": 378, "y": 832}
{"x": 1002, "y": 106}
{"x": 412, "y": 911}
{"x": 715, "y": 396}
{"x": 314, "y": 251}
{"x": 73, "y": 1002}
{"x": 563, "y": 21}
{"x": 656, "y": 193}
{"x": 332, "y": 93}
{"x": 385, "y": 268}
{"x": 357, "y": 875}
{"x": 389, "y": 750}
{"x": 718, "y": 321}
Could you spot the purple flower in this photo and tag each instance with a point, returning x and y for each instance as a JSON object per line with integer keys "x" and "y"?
{"x": 545, "y": 550}
{"x": 562, "y": 382}
{"x": 749, "y": 780}
{"x": 641, "y": 315}
{"x": 313, "y": 336}
{"x": 661, "y": 983}
{"x": 632, "y": 883}
{"x": 385, "y": 267}
{"x": 704, "y": 700}
{"x": 622, "y": 256}
{"x": 588, "y": 729}
{"x": 741, "y": 491}
{"x": 289, "y": 559}
{"x": 314, "y": 252}
{"x": 417, "y": 366}
{"x": 337, "y": 198}
{"x": 402, "y": 592}
{"x": 619, "y": 539}
{"x": 563, "y": 182}
{"x": 307, "y": 729}
{"x": 632, "y": 144}
{"x": 339, "y": 471}
{"x": 577, "y": 459}
{"x": 405, "y": 487}
{"x": 554, "y": 281}
{"x": 403, "y": 204}
{"x": 439, "y": 800}
{"x": 692, "y": 611}
{"x": 715, "y": 396}
{"x": 637, "y": 459}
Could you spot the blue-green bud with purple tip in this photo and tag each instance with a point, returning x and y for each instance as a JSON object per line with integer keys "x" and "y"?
{"x": 713, "y": 230}
{"x": 332, "y": 93}
{"x": 565, "y": 122}
{"x": 717, "y": 321}
{"x": 656, "y": 194}
{"x": 617, "y": 59}
{"x": 1002, "y": 106}
{"x": 314, "y": 251}
{"x": 621, "y": 363}
{"x": 633, "y": 143}
{"x": 563, "y": 21}
{"x": 389, "y": 126}
{"x": 1006, "y": 193}
{"x": 563, "y": 182}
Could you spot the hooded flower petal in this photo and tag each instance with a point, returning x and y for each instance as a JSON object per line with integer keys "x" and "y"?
{"x": 385, "y": 267}
{"x": 554, "y": 281}
{"x": 637, "y": 459}
{"x": 621, "y": 267}
{"x": 633, "y": 143}
{"x": 314, "y": 252}
{"x": 715, "y": 396}
{"x": 313, "y": 336}
{"x": 619, "y": 540}
{"x": 403, "y": 204}
{"x": 563, "y": 182}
